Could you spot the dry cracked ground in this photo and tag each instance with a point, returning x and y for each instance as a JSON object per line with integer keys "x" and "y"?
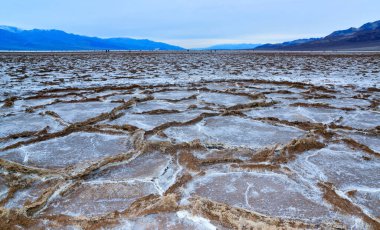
{"x": 236, "y": 140}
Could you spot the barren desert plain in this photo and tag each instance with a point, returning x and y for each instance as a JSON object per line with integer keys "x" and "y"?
{"x": 190, "y": 140}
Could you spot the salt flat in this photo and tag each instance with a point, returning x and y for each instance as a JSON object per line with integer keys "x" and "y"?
{"x": 190, "y": 140}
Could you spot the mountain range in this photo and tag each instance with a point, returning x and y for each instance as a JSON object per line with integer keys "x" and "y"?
{"x": 364, "y": 38}
{"x": 15, "y": 39}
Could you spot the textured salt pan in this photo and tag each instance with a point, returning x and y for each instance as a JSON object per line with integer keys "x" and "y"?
{"x": 223, "y": 99}
{"x": 317, "y": 115}
{"x": 234, "y": 131}
{"x": 148, "y": 122}
{"x": 95, "y": 198}
{"x": 267, "y": 193}
{"x": 69, "y": 150}
{"x": 174, "y": 95}
{"x": 372, "y": 141}
{"x": 155, "y": 105}
{"x": 153, "y": 168}
{"x": 348, "y": 102}
{"x": 337, "y": 163}
{"x": 108, "y": 69}
{"x": 169, "y": 221}
{"x": 27, "y": 122}
{"x": 146, "y": 166}
{"x": 23, "y": 104}
{"x": 362, "y": 119}
{"x": 29, "y": 194}
{"x": 369, "y": 199}
{"x": 349, "y": 170}
{"x": 93, "y": 176}
{"x": 76, "y": 112}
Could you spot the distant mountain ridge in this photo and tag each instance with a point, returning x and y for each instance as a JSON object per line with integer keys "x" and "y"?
{"x": 243, "y": 46}
{"x": 364, "y": 38}
{"x": 285, "y": 44}
{"x": 14, "y": 39}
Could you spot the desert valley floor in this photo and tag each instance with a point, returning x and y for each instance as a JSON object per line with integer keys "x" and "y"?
{"x": 189, "y": 140}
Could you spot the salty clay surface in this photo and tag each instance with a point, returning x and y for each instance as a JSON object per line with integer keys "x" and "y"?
{"x": 160, "y": 140}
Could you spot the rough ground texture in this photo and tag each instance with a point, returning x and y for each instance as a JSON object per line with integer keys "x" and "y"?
{"x": 190, "y": 141}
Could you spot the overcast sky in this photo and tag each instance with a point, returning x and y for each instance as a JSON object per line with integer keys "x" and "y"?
{"x": 192, "y": 23}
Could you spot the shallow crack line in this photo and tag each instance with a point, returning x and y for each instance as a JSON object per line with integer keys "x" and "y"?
{"x": 159, "y": 189}
{"x": 166, "y": 168}
{"x": 309, "y": 172}
{"x": 163, "y": 172}
{"x": 177, "y": 182}
{"x": 246, "y": 194}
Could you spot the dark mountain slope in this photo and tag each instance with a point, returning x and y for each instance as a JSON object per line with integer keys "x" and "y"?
{"x": 14, "y": 39}
{"x": 367, "y": 37}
